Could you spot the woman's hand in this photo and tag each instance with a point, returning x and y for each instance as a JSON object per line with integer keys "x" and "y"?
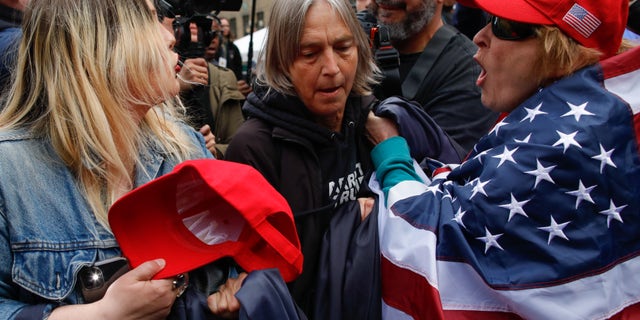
{"x": 244, "y": 88}
{"x": 224, "y": 302}
{"x": 133, "y": 296}
{"x": 193, "y": 71}
{"x": 380, "y": 129}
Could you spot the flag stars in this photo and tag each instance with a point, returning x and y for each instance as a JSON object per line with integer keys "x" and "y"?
{"x": 541, "y": 173}
{"x": 515, "y": 207}
{"x": 458, "y": 217}
{"x": 533, "y": 113}
{"x": 555, "y": 230}
{"x": 497, "y": 127}
{"x": 567, "y": 140}
{"x": 507, "y": 155}
{"x": 605, "y": 158}
{"x": 479, "y": 188}
{"x": 582, "y": 193}
{"x": 577, "y": 111}
{"x": 613, "y": 213}
{"x": 525, "y": 140}
{"x": 433, "y": 189}
{"x": 480, "y": 155}
{"x": 490, "y": 240}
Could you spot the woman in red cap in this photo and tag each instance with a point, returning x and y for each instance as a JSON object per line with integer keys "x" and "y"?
{"x": 541, "y": 221}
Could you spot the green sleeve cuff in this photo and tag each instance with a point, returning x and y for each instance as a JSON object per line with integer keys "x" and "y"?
{"x": 393, "y": 163}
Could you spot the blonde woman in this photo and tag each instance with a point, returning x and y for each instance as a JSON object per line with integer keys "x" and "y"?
{"x": 89, "y": 116}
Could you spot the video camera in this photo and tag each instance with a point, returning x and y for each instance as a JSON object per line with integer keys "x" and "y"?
{"x": 199, "y": 12}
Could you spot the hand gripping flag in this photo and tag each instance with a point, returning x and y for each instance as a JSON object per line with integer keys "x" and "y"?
{"x": 541, "y": 222}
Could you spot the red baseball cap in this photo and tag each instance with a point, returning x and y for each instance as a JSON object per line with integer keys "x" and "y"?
{"x": 202, "y": 211}
{"x": 597, "y": 24}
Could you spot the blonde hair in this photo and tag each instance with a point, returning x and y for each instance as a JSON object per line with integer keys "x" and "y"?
{"x": 561, "y": 55}
{"x": 286, "y": 25}
{"x": 82, "y": 67}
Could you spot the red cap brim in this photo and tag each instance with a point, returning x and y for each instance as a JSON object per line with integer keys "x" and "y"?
{"x": 205, "y": 210}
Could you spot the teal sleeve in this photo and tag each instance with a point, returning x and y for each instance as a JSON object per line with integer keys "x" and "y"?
{"x": 393, "y": 163}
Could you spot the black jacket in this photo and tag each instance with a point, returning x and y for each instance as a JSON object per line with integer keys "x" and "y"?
{"x": 281, "y": 140}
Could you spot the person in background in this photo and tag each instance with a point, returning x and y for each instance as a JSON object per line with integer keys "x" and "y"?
{"x": 305, "y": 119}
{"x": 92, "y": 114}
{"x": 541, "y": 221}
{"x": 10, "y": 19}
{"x": 436, "y": 68}
{"x": 228, "y": 55}
{"x": 362, "y": 5}
{"x": 210, "y": 93}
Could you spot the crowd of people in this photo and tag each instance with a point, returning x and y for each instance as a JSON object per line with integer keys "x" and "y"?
{"x": 491, "y": 172}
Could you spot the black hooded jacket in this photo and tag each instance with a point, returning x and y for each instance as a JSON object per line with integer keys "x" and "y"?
{"x": 314, "y": 168}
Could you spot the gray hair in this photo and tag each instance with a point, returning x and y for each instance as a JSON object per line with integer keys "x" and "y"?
{"x": 286, "y": 25}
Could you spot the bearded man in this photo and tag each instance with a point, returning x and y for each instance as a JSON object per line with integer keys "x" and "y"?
{"x": 436, "y": 67}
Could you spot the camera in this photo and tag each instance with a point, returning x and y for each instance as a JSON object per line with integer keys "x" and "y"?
{"x": 201, "y": 13}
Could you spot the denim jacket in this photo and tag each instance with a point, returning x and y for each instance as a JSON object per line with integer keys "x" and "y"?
{"x": 47, "y": 230}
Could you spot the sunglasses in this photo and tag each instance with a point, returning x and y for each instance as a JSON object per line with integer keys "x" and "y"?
{"x": 510, "y": 30}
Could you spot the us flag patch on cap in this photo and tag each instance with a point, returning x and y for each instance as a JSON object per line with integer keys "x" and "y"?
{"x": 581, "y": 20}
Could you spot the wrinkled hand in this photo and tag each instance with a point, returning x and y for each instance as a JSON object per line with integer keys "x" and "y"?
{"x": 209, "y": 139}
{"x": 224, "y": 302}
{"x": 194, "y": 71}
{"x": 244, "y": 88}
{"x": 380, "y": 129}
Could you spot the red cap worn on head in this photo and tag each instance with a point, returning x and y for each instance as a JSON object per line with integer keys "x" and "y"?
{"x": 597, "y": 24}
{"x": 202, "y": 211}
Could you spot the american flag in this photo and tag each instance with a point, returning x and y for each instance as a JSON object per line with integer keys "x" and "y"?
{"x": 581, "y": 20}
{"x": 541, "y": 222}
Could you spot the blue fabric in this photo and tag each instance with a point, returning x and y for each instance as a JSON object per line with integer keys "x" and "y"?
{"x": 349, "y": 277}
{"x": 424, "y": 136}
{"x": 265, "y": 296}
{"x": 191, "y": 305}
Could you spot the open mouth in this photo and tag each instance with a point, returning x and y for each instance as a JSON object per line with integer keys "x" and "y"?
{"x": 329, "y": 90}
{"x": 481, "y": 78}
{"x": 483, "y": 73}
{"x": 177, "y": 68}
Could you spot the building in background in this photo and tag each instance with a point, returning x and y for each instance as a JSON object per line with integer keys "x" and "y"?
{"x": 240, "y": 21}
